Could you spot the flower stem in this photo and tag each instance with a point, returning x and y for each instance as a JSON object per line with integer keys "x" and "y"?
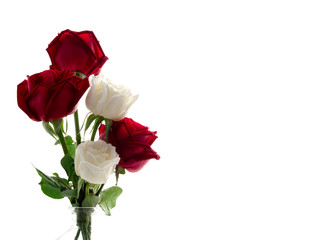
{"x": 108, "y": 123}
{"x": 100, "y": 189}
{"x": 63, "y": 143}
{"x": 76, "y": 123}
{"x": 84, "y": 222}
{"x": 78, "y": 233}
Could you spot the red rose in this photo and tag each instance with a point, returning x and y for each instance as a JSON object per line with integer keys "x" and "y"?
{"x": 133, "y": 143}
{"x": 77, "y": 51}
{"x": 51, "y": 94}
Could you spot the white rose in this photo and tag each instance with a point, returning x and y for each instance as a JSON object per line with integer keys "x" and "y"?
{"x": 109, "y": 100}
{"x": 95, "y": 161}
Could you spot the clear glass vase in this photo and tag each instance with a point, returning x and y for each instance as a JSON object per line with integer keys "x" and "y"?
{"x": 83, "y": 222}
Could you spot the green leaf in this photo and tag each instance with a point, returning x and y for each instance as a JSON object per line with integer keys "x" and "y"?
{"x": 72, "y": 149}
{"x": 62, "y": 182}
{"x": 71, "y": 145}
{"x": 50, "y": 191}
{"x": 49, "y": 187}
{"x": 69, "y": 193}
{"x": 109, "y": 198}
{"x": 57, "y": 125}
{"x": 67, "y": 162}
{"x": 90, "y": 201}
{"x": 90, "y": 119}
{"x": 49, "y": 129}
{"x": 46, "y": 179}
{"x": 69, "y": 140}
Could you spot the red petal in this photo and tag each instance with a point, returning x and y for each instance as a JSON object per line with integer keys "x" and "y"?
{"x": 37, "y": 101}
{"x": 22, "y": 93}
{"x": 132, "y": 165}
{"x": 69, "y": 51}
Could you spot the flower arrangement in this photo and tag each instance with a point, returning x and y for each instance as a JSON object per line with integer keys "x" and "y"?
{"x": 123, "y": 144}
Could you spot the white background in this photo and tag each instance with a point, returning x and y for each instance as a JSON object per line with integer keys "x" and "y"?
{"x": 232, "y": 87}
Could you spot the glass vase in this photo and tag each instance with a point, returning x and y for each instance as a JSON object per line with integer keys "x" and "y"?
{"x": 83, "y": 225}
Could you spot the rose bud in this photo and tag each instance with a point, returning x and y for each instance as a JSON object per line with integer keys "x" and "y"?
{"x": 77, "y": 51}
{"x": 51, "y": 94}
{"x": 133, "y": 143}
{"x": 95, "y": 161}
{"x": 109, "y": 100}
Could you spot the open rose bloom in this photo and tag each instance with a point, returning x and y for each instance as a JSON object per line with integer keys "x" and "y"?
{"x": 77, "y": 51}
{"x": 109, "y": 100}
{"x": 95, "y": 161}
{"x": 51, "y": 94}
{"x": 133, "y": 143}
{"x": 124, "y": 145}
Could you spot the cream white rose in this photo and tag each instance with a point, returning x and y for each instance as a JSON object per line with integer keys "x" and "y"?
{"x": 109, "y": 100}
{"x": 95, "y": 161}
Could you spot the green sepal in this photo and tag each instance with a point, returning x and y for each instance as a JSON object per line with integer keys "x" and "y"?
{"x": 119, "y": 170}
{"x": 48, "y": 128}
{"x": 95, "y": 127}
{"x": 109, "y": 198}
{"x": 65, "y": 129}
{"x": 90, "y": 119}
{"x": 90, "y": 201}
{"x": 79, "y": 74}
{"x": 57, "y": 125}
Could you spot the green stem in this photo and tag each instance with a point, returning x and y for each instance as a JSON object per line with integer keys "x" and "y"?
{"x": 76, "y": 123}
{"x": 100, "y": 189}
{"x": 84, "y": 222}
{"x": 87, "y": 189}
{"x": 78, "y": 234}
{"x": 63, "y": 143}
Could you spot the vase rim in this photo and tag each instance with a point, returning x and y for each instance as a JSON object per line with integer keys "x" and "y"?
{"x": 83, "y": 207}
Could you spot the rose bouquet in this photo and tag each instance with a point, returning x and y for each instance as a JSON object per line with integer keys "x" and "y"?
{"x": 123, "y": 144}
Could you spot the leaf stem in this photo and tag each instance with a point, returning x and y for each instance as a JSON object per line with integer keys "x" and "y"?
{"x": 63, "y": 142}
{"x": 76, "y": 123}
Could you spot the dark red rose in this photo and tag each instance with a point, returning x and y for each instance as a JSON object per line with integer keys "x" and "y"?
{"x": 51, "y": 94}
{"x": 132, "y": 142}
{"x": 77, "y": 51}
